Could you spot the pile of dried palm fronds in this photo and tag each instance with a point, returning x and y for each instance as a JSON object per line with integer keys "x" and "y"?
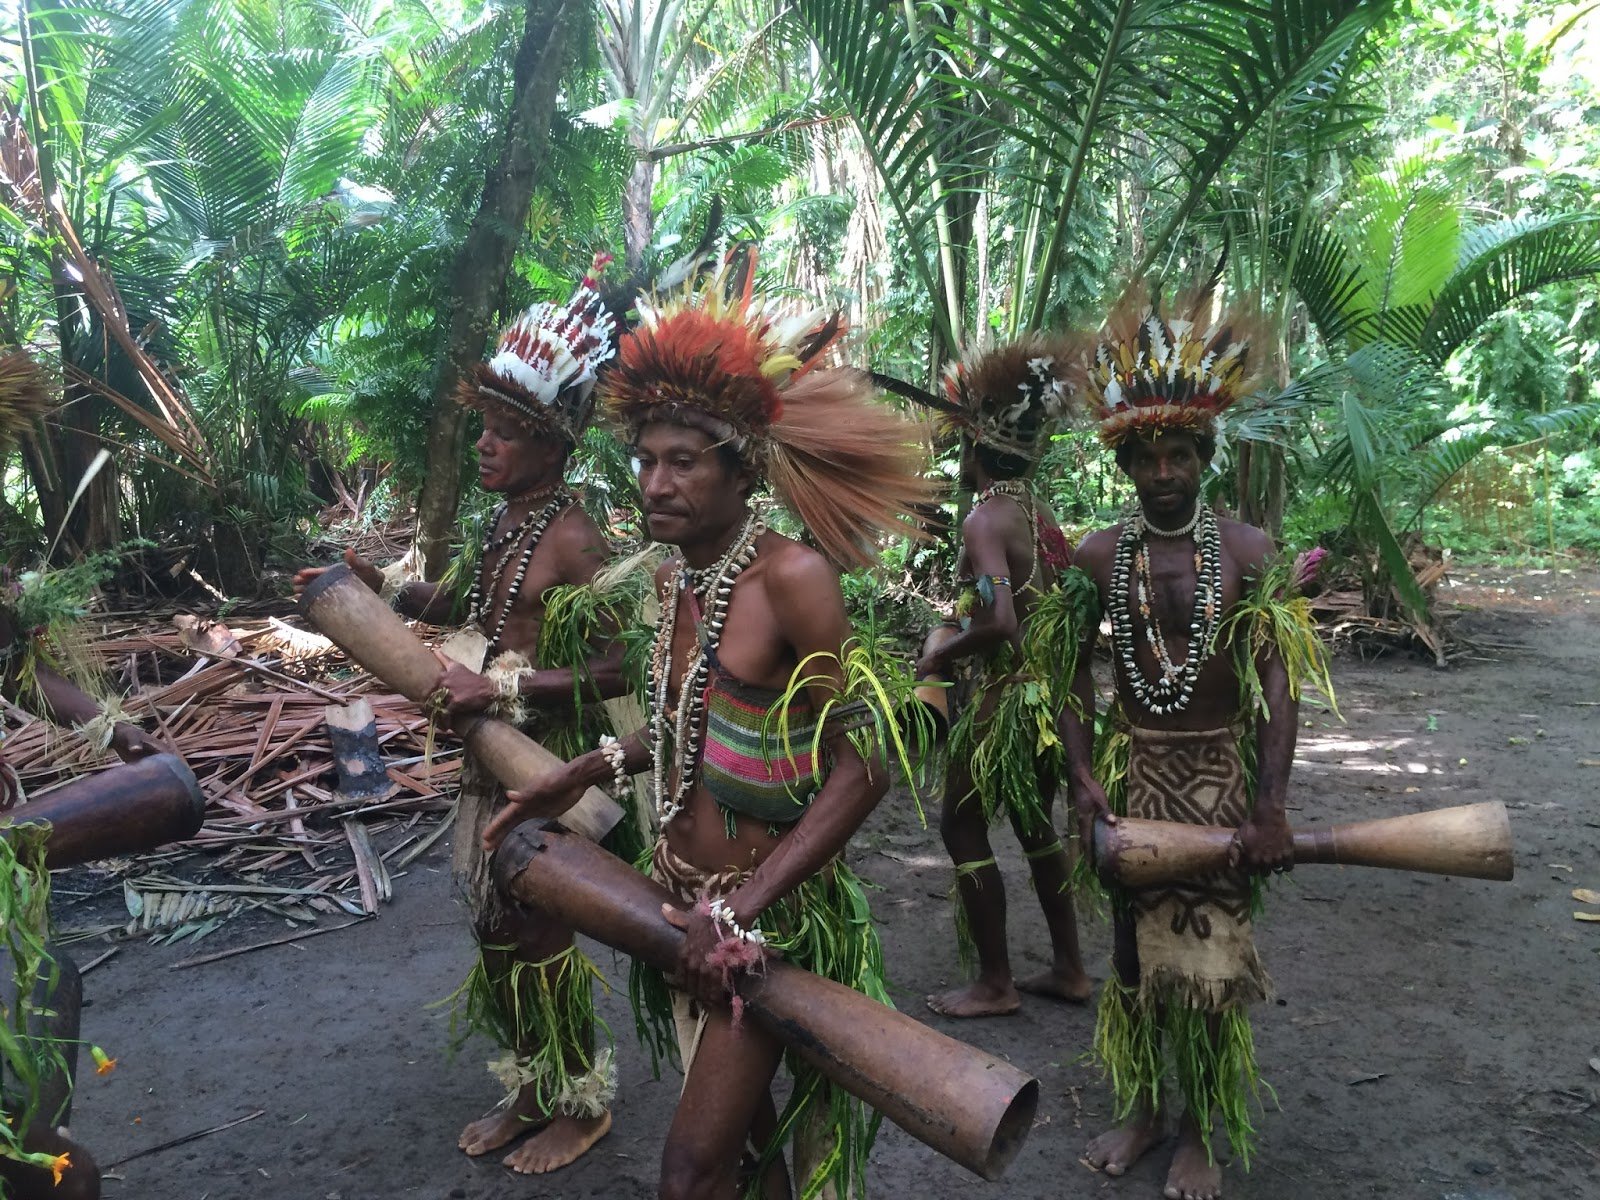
{"x": 1346, "y": 614}
{"x": 244, "y": 707}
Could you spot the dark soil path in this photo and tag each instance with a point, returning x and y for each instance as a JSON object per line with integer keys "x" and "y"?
{"x": 1432, "y": 1038}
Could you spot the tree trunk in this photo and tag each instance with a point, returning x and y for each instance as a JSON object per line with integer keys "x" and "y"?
{"x": 96, "y": 521}
{"x": 638, "y": 215}
{"x": 478, "y": 277}
{"x": 1261, "y": 483}
{"x": 1262, "y": 479}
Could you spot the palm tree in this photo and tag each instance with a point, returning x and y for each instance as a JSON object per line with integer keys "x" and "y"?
{"x": 479, "y": 274}
{"x": 1398, "y": 283}
{"x": 1059, "y": 95}
{"x": 195, "y": 143}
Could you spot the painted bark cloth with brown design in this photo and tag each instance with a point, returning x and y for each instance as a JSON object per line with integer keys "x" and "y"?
{"x": 1186, "y": 1018}
{"x": 1196, "y": 943}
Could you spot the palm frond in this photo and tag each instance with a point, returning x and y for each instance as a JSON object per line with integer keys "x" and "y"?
{"x": 1441, "y": 462}
{"x": 1502, "y": 262}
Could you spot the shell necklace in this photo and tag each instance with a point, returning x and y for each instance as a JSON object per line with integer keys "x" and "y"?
{"x": 1018, "y": 492}
{"x": 1172, "y": 689}
{"x": 714, "y": 589}
{"x": 530, "y": 530}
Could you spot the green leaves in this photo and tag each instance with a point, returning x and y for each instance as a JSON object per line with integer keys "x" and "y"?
{"x": 1400, "y": 281}
{"x": 941, "y": 94}
{"x": 1501, "y": 262}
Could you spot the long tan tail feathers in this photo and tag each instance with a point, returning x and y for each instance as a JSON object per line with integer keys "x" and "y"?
{"x": 853, "y": 470}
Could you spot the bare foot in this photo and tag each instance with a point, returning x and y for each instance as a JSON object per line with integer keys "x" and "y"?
{"x": 504, "y": 1126}
{"x": 565, "y": 1140}
{"x": 1194, "y": 1176}
{"x": 1074, "y": 987}
{"x": 977, "y": 999}
{"x": 1118, "y": 1149}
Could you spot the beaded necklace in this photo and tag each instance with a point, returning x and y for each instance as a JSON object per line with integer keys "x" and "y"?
{"x": 531, "y": 530}
{"x": 714, "y": 589}
{"x": 1172, "y": 690}
{"x": 1181, "y": 531}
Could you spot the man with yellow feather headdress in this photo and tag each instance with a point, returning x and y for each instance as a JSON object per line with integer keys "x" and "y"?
{"x": 1210, "y": 653}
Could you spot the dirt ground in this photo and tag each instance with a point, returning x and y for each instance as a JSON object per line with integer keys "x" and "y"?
{"x": 1432, "y": 1037}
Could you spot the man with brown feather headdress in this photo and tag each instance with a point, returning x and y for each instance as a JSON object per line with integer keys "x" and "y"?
{"x": 761, "y": 743}
{"x": 1020, "y": 619}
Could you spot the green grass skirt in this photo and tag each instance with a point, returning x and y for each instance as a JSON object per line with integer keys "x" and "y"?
{"x": 1014, "y": 745}
{"x": 824, "y": 926}
{"x": 29, "y": 1059}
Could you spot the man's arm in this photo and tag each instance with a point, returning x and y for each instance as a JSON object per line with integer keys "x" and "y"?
{"x": 1076, "y": 725}
{"x": 983, "y": 538}
{"x": 422, "y": 601}
{"x": 806, "y": 599}
{"x": 584, "y": 550}
{"x": 552, "y": 794}
{"x": 1265, "y": 840}
{"x": 418, "y": 600}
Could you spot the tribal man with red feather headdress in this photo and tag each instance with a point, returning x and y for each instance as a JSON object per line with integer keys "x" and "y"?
{"x": 764, "y": 708}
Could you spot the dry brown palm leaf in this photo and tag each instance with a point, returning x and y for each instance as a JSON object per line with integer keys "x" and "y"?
{"x": 24, "y": 395}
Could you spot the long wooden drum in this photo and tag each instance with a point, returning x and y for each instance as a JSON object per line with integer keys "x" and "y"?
{"x": 1473, "y": 840}
{"x": 967, "y": 1104}
{"x": 370, "y": 632}
{"x": 122, "y": 810}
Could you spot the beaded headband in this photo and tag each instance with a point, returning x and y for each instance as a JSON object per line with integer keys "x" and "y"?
{"x": 1151, "y": 372}
{"x": 1008, "y": 398}
{"x": 544, "y": 370}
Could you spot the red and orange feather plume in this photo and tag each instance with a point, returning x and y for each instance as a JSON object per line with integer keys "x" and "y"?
{"x": 749, "y": 373}
{"x": 693, "y": 358}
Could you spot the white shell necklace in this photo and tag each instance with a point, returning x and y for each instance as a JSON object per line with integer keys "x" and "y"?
{"x": 1172, "y": 690}
{"x": 714, "y": 588}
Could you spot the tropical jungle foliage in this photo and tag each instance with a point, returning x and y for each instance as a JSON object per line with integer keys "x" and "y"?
{"x": 255, "y": 244}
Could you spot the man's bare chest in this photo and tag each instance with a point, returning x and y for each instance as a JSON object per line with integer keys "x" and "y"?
{"x": 740, "y": 643}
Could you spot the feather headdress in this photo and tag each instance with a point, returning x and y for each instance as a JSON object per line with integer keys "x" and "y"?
{"x": 24, "y": 395}
{"x": 1008, "y": 398}
{"x": 747, "y": 372}
{"x": 544, "y": 371}
{"x": 1149, "y": 371}
{"x": 711, "y": 355}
